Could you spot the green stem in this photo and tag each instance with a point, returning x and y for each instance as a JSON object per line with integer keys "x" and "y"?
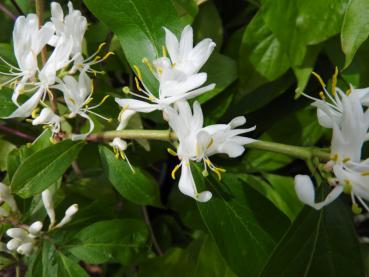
{"x": 304, "y": 153}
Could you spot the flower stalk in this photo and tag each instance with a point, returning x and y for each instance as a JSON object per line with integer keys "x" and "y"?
{"x": 304, "y": 153}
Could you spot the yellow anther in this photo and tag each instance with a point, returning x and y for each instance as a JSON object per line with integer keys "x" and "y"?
{"x": 173, "y": 65}
{"x": 348, "y": 92}
{"x": 138, "y": 84}
{"x": 319, "y": 79}
{"x": 334, "y": 80}
{"x": 29, "y": 120}
{"x": 345, "y": 160}
{"x": 100, "y": 47}
{"x": 356, "y": 209}
{"x": 92, "y": 87}
{"x": 122, "y": 155}
{"x": 72, "y": 100}
{"x": 366, "y": 173}
{"x": 334, "y": 157}
{"x": 34, "y": 113}
{"x": 107, "y": 55}
{"x": 148, "y": 64}
{"x": 172, "y": 152}
{"x": 159, "y": 70}
{"x": 138, "y": 72}
{"x": 152, "y": 98}
{"x": 88, "y": 102}
{"x": 164, "y": 50}
{"x": 126, "y": 90}
{"x": 205, "y": 173}
{"x": 322, "y": 96}
{"x": 175, "y": 169}
{"x": 103, "y": 100}
{"x": 96, "y": 59}
{"x": 347, "y": 187}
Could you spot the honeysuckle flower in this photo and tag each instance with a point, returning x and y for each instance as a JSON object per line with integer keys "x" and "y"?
{"x": 48, "y": 202}
{"x": 69, "y": 213}
{"x": 48, "y": 117}
{"x": 23, "y": 241}
{"x": 28, "y": 41}
{"x": 77, "y": 96}
{"x": 184, "y": 57}
{"x": 198, "y": 143}
{"x": 73, "y": 25}
{"x": 305, "y": 191}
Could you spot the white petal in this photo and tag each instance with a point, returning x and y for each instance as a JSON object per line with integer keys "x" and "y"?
{"x": 137, "y": 105}
{"x": 172, "y": 45}
{"x": 25, "y": 110}
{"x": 186, "y": 42}
{"x": 237, "y": 121}
{"x": 187, "y": 184}
{"x": 186, "y": 96}
{"x": 83, "y": 136}
{"x": 330, "y": 197}
{"x": 324, "y": 119}
{"x": 233, "y": 150}
{"x": 49, "y": 205}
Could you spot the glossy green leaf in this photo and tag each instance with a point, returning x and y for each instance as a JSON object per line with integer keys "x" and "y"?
{"x": 6, "y": 104}
{"x": 262, "y": 58}
{"x": 140, "y": 32}
{"x": 120, "y": 240}
{"x": 244, "y": 224}
{"x": 319, "y": 243}
{"x": 300, "y": 23}
{"x": 44, "y": 167}
{"x": 5, "y": 148}
{"x": 138, "y": 187}
{"x": 355, "y": 28}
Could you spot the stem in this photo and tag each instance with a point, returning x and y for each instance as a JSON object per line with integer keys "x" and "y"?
{"x": 17, "y": 270}
{"x": 153, "y": 238}
{"x": 16, "y": 133}
{"x": 17, "y": 7}
{"x": 304, "y": 153}
{"x": 5, "y": 10}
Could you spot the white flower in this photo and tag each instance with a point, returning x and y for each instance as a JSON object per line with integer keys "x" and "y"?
{"x": 35, "y": 228}
{"x": 28, "y": 41}
{"x": 48, "y": 202}
{"x": 48, "y": 117}
{"x": 306, "y": 193}
{"x": 184, "y": 57}
{"x": 197, "y": 143}
{"x": 69, "y": 213}
{"x": 7, "y": 197}
{"x": 73, "y": 25}
{"x": 22, "y": 241}
{"x": 77, "y": 96}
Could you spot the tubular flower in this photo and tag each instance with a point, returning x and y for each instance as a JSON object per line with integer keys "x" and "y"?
{"x": 49, "y": 118}
{"x": 198, "y": 143}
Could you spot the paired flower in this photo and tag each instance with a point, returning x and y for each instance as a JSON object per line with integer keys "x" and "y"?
{"x": 177, "y": 75}
{"x": 198, "y": 143}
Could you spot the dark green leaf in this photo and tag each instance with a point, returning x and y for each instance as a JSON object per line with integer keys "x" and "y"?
{"x": 319, "y": 243}
{"x": 43, "y": 168}
{"x": 244, "y": 224}
{"x": 355, "y": 28}
{"x": 138, "y": 187}
{"x": 114, "y": 240}
{"x": 6, "y": 104}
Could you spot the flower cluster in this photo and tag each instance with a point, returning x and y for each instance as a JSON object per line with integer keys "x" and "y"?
{"x": 347, "y": 115}
{"x": 24, "y": 239}
{"x": 179, "y": 80}
{"x": 65, "y": 69}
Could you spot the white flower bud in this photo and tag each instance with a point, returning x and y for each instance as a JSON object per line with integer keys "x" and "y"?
{"x": 13, "y": 244}
{"x": 6, "y": 196}
{"x": 49, "y": 205}
{"x": 68, "y": 215}
{"x": 35, "y": 228}
{"x": 119, "y": 144}
{"x": 17, "y": 233}
{"x": 25, "y": 248}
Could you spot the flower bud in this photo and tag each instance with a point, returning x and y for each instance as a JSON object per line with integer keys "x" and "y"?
{"x": 119, "y": 144}
{"x": 13, "y": 244}
{"x": 17, "y": 233}
{"x": 68, "y": 215}
{"x": 35, "y": 228}
{"x": 49, "y": 205}
{"x": 25, "y": 248}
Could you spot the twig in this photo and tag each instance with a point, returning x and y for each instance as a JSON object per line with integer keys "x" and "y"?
{"x": 16, "y": 133}
{"x": 153, "y": 238}
{"x": 5, "y": 10}
{"x": 17, "y": 7}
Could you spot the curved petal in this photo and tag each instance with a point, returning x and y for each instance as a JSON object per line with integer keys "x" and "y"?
{"x": 25, "y": 110}
{"x": 172, "y": 45}
{"x": 137, "y": 105}
{"x": 305, "y": 189}
{"x": 187, "y": 184}
{"x": 186, "y": 42}
{"x": 83, "y": 136}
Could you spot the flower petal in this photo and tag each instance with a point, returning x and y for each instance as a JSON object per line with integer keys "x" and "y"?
{"x": 137, "y": 105}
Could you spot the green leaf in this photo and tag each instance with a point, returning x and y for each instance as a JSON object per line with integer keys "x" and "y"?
{"x": 139, "y": 27}
{"x": 122, "y": 240}
{"x": 319, "y": 243}
{"x": 355, "y": 28}
{"x": 6, "y": 104}
{"x": 222, "y": 71}
{"x": 139, "y": 187}
{"x": 244, "y": 224}
{"x": 300, "y": 23}
{"x": 69, "y": 268}
{"x": 42, "y": 169}
{"x": 262, "y": 58}
{"x": 5, "y": 148}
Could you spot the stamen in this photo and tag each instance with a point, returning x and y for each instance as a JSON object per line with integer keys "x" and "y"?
{"x": 138, "y": 72}
{"x": 334, "y": 80}
{"x": 126, "y": 90}
{"x": 34, "y": 113}
{"x": 319, "y": 79}
{"x": 322, "y": 96}
{"x": 356, "y": 209}
{"x": 365, "y": 173}
{"x": 348, "y": 92}
{"x": 138, "y": 84}
{"x": 172, "y": 152}
{"x": 148, "y": 64}
{"x": 334, "y": 157}
{"x": 175, "y": 170}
